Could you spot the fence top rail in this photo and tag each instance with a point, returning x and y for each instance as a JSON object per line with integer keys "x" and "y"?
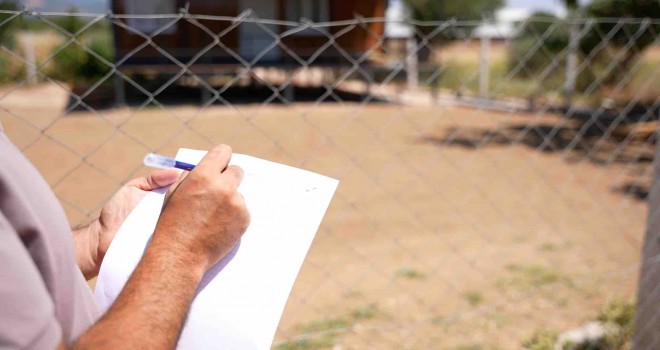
{"x": 245, "y": 17}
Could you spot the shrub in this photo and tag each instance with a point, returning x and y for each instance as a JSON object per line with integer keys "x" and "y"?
{"x": 7, "y": 30}
{"x": 77, "y": 65}
{"x": 541, "y": 341}
{"x": 622, "y": 314}
{"x": 10, "y": 71}
{"x": 70, "y": 23}
{"x": 546, "y": 60}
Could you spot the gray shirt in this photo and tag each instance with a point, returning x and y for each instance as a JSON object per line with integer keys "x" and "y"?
{"x": 43, "y": 295}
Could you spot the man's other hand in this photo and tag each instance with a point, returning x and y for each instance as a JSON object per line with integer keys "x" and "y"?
{"x": 93, "y": 241}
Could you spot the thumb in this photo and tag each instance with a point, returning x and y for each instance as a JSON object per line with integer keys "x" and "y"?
{"x": 157, "y": 179}
{"x": 176, "y": 184}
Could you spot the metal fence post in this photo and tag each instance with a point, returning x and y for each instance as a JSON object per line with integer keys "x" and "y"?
{"x": 484, "y": 66}
{"x": 571, "y": 60}
{"x": 30, "y": 60}
{"x": 647, "y": 317}
{"x": 412, "y": 62}
{"x": 119, "y": 90}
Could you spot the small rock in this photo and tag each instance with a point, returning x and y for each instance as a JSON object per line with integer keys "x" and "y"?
{"x": 591, "y": 334}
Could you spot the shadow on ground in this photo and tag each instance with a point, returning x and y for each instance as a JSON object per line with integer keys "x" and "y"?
{"x": 103, "y": 97}
{"x": 603, "y": 138}
{"x": 634, "y": 189}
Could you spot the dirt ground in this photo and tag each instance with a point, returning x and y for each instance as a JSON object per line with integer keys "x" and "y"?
{"x": 450, "y": 228}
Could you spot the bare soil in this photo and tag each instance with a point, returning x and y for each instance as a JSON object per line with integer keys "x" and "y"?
{"x": 451, "y": 226}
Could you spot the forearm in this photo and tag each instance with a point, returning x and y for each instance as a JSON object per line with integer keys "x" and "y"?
{"x": 151, "y": 309}
{"x": 85, "y": 239}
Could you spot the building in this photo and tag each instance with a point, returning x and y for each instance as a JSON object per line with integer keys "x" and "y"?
{"x": 191, "y": 41}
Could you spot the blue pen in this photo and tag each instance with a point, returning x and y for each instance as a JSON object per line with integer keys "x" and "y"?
{"x": 157, "y": 161}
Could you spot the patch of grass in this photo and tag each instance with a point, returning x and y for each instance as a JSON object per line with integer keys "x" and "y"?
{"x": 473, "y": 298}
{"x": 536, "y": 78}
{"x": 324, "y": 342}
{"x": 353, "y": 294}
{"x": 476, "y": 346}
{"x": 411, "y": 273}
{"x": 618, "y": 313}
{"x": 560, "y": 302}
{"x": 326, "y": 324}
{"x": 498, "y": 318}
{"x": 622, "y": 314}
{"x": 547, "y": 247}
{"x": 470, "y": 347}
{"x": 553, "y": 247}
{"x": 365, "y": 313}
{"x": 439, "y": 320}
{"x": 464, "y": 77}
{"x": 541, "y": 341}
{"x": 536, "y": 276}
{"x": 442, "y": 321}
{"x": 10, "y": 69}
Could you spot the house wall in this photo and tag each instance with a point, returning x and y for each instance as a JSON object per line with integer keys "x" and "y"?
{"x": 355, "y": 41}
{"x": 189, "y": 39}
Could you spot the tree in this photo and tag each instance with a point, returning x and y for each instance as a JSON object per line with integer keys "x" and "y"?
{"x": 75, "y": 63}
{"x": 437, "y": 10}
{"x": 539, "y": 53}
{"x": 634, "y": 35}
{"x": 8, "y": 27}
{"x": 540, "y": 41}
{"x": 637, "y": 36}
{"x": 7, "y": 37}
{"x": 462, "y": 10}
{"x": 70, "y": 23}
{"x": 443, "y": 10}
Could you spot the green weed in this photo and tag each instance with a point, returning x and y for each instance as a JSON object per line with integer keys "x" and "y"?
{"x": 365, "y": 313}
{"x": 410, "y": 273}
{"x": 474, "y": 298}
{"x": 324, "y": 342}
{"x": 536, "y": 276}
{"x": 329, "y": 324}
{"x": 541, "y": 341}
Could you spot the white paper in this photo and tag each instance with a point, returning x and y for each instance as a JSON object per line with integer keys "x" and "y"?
{"x": 240, "y": 300}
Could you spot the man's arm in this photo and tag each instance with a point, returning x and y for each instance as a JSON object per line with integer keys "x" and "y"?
{"x": 151, "y": 309}
{"x": 202, "y": 218}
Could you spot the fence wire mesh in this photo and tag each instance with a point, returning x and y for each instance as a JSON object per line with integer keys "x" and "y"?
{"x": 492, "y": 187}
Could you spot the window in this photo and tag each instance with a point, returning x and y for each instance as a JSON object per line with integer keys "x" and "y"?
{"x": 311, "y": 10}
{"x": 150, "y": 7}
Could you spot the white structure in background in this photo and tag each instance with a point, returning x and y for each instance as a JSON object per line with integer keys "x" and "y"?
{"x": 396, "y": 15}
{"x": 505, "y": 25}
{"x": 400, "y": 33}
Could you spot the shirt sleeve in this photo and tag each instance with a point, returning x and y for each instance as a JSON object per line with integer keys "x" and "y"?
{"x": 27, "y": 319}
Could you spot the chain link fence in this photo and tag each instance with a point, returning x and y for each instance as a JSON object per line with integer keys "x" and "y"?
{"x": 493, "y": 186}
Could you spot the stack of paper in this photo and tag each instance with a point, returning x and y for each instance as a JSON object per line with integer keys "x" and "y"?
{"x": 241, "y": 299}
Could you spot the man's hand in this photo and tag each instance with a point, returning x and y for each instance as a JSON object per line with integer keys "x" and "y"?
{"x": 204, "y": 215}
{"x": 202, "y": 218}
{"x": 93, "y": 240}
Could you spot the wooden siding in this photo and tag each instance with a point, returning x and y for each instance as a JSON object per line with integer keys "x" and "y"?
{"x": 188, "y": 38}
